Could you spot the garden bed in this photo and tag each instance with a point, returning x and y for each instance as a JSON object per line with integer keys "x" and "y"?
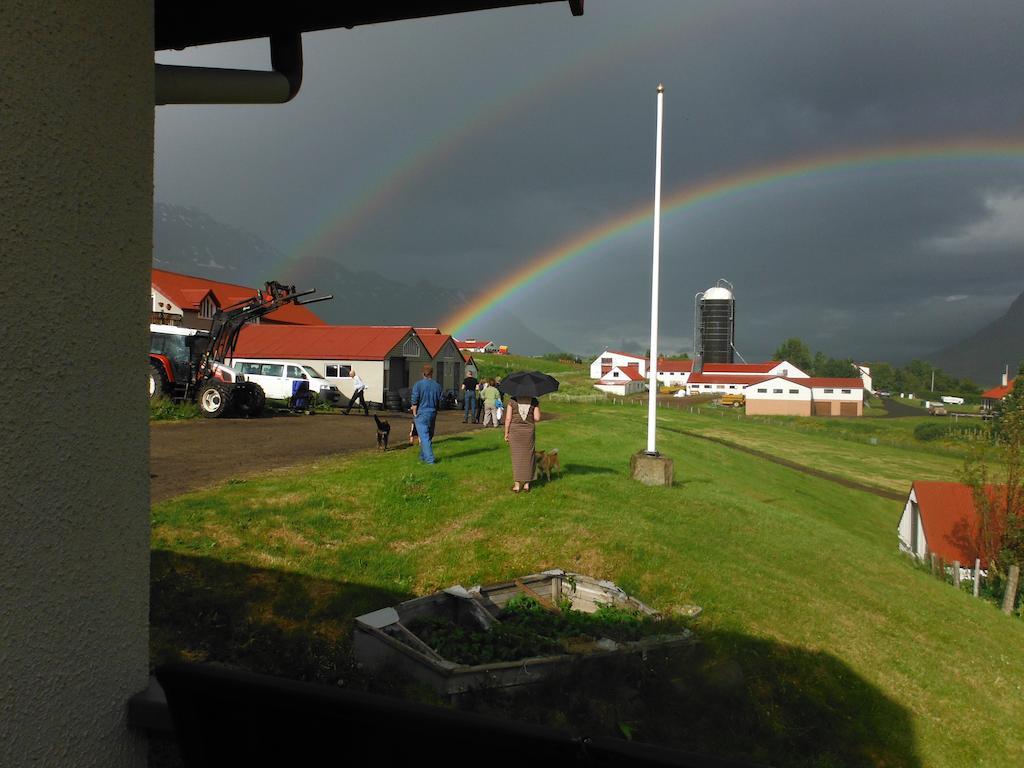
{"x": 513, "y": 633}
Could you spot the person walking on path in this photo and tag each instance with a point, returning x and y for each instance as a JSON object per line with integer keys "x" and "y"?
{"x": 469, "y": 385}
{"x": 426, "y": 394}
{"x": 520, "y": 434}
{"x": 490, "y": 396}
{"x": 357, "y": 395}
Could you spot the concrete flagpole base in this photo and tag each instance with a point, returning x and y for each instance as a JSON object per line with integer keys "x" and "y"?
{"x": 651, "y": 469}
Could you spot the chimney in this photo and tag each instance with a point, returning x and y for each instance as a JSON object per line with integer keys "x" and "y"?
{"x": 1006, "y": 372}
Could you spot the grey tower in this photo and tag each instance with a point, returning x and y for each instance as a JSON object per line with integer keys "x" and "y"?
{"x": 715, "y": 324}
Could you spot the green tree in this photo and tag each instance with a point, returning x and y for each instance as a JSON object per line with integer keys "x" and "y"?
{"x": 997, "y": 485}
{"x": 796, "y": 352}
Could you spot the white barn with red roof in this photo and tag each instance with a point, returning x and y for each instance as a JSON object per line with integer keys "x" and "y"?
{"x": 622, "y": 381}
{"x": 610, "y": 358}
{"x": 940, "y": 518}
{"x": 478, "y": 346}
{"x": 190, "y": 302}
{"x": 387, "y": 358}
{"x": 992, "y": 397}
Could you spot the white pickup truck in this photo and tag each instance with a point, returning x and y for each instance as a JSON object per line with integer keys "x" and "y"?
{"x": 277, "y": 379}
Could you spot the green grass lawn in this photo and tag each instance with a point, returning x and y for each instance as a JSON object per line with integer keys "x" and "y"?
{"x": 821, "y": 646}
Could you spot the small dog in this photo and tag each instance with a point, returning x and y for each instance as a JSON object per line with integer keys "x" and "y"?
{"x": 383, "y": 432}
{"x": 545, "y": 461}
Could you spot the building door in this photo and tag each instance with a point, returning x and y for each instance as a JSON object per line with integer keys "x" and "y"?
{"x": 847, "y": 409}
{"x": 398, "y": 374}
{"x": 440, "y": 374}
{"x": 823, "y": 408}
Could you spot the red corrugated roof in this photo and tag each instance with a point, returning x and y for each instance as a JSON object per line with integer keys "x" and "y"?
{"x": 434, "y": 342}
{"x": 675, "y": 366}
{"x": 631, "y": 372}
{"x": 998, "y": 393}
{"x": 188, "y": 293}
{"x": 949, "y": 518}
{"x": 627, "y": 354}
{"x": 320, "y": 342}
{"x": 749, "y": 368}
{"x": 704, "y": 378}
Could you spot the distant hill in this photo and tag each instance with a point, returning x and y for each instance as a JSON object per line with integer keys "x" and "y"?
{"x": 189, "y": 241}
{"x": 981, "y": 357}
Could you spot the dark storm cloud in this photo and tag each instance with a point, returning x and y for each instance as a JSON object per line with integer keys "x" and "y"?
{"x": 548, "y": 125}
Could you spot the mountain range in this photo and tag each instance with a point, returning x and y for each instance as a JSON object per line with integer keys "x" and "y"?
{"x": 982, "y": 355}
{"x": 189, "y": 241}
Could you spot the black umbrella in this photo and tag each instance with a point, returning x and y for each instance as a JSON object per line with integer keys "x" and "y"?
{"x": 528, "y": 384}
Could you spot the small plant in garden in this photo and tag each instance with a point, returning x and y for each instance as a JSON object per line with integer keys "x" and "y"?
{"x": 526, "y": 628}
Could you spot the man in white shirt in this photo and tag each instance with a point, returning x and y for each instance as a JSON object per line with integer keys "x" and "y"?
{"x": 357, "y": 395}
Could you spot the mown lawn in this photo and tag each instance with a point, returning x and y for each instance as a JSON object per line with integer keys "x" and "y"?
{"x": 821, "y": 644}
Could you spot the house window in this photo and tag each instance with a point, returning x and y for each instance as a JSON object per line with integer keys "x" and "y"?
{"x": 411, "y": 348}
{"x": 846, "y": 391}
{"x": 784, "y": 373}
{"x": 606, "y": 361}
{"x": 207, "y": 308}
{"x": 615, "y": 374}
{"x": 339, "y": 371}
{"x": 776, "y": 391}
{"x": 829, "y": 391}
{"x": 794, "y": 391}
{"x": 763, "y": 391}
{"x": 707, "y": 386}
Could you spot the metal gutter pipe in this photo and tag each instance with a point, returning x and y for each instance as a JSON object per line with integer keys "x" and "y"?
{"x": 212, "y": 85}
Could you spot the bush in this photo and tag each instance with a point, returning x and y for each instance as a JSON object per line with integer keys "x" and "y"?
{"x": 930, "y": 431}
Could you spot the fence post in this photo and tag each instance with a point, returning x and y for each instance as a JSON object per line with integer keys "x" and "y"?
{"x": 1011, "y": 590}
{"x": 935, "y": 564}
{"x": 977, "y": 576}
{"x": 956, "y": 574}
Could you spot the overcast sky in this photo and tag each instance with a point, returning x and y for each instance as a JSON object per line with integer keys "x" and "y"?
{"x": 459, "y": 149}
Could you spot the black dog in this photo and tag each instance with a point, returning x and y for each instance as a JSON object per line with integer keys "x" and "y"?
{"x": 383, "y": 430}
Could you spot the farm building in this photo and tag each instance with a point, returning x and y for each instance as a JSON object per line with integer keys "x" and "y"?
{"x": 622, "y": 381}
{"x": 713, "y": 384}
{"x": 674, "y": 373}
{"x": 940, "y": 518}
{"x": 805, "y": 397}
{"x": 387, "y": 358}
{"x": 992, "y": 397}
{"x": 477, "y": 346}
{"x": 610, "y": 359}
{"x": 190, "y": 302}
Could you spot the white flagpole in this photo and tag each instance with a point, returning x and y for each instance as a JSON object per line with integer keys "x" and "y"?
{"x": 652, "y": 400}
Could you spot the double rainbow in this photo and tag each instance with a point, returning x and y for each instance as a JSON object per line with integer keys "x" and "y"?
{"x": 582, "y": 244}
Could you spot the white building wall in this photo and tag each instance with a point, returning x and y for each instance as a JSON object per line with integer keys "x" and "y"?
{"x": 617, "y": 359}
{"x": 788, "y": 370}
{"x": 673, "y": 378}
{"x": 855, "y": 395}
{"x": 76, "y": 177}
{"x": 906, "y": 527}
{"x": 789, "y": 391}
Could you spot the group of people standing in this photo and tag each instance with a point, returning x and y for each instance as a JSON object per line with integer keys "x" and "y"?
{"x": 482, "y": 401}
{"x": 519, "y": 419}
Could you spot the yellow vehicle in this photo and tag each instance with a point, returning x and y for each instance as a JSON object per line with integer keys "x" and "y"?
{"x": 733, "y": 400}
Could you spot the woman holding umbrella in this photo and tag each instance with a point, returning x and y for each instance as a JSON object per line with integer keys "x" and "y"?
{"x": 521, "y": 415}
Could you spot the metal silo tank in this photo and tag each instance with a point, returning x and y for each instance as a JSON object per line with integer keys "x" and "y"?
{"x": 717, "y": 324}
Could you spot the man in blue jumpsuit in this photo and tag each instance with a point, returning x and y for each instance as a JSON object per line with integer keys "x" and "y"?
{"x": 426, "y": 394}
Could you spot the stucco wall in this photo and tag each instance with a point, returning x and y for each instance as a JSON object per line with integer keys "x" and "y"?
{"x": 757, "y": 407}
{"x": 76, "y": 191}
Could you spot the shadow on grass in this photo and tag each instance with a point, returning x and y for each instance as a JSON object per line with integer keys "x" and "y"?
{"x": 471, "y": 452}
{"x": 588, "y": 469}
{"x": 732, "y": 696}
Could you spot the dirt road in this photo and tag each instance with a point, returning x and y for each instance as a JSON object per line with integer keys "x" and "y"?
{"x": 188, "y": 455}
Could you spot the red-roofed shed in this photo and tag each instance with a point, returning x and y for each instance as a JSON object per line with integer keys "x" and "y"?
{"x": 191, "y": 301}
{"x": 940, "y": 518}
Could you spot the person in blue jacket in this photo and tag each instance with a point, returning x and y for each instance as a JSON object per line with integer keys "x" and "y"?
{"x": 426, "y": 394}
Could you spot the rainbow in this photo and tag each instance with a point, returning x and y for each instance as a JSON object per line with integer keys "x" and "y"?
{"x": 580, "y": 245}
{"x": 343, "y": 219}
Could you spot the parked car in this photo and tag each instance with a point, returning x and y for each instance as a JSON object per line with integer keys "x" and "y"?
{"x": 937, "y": 410}
{"x": 277, "y": 379}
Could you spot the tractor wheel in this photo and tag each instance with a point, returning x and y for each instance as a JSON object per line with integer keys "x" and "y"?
{"x": 214, "y": 398}
{"x": 249, "y": 398}
{"x": 157, "y": 381}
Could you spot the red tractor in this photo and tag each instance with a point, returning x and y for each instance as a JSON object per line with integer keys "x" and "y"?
{"x": 187, "y": 364}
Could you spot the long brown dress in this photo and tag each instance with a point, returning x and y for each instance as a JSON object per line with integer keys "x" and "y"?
{"x": 522, "y": 441}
